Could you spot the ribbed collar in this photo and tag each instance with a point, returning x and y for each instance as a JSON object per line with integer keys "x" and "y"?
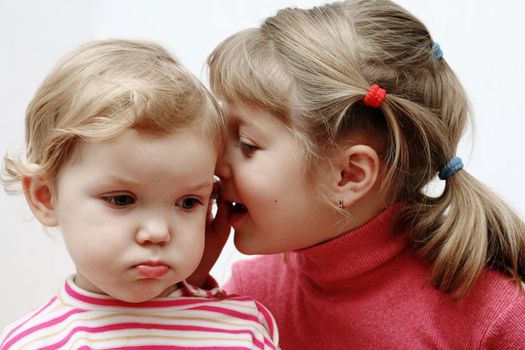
{"x": 74, "y": 296}
{"x": 330, "y": 264}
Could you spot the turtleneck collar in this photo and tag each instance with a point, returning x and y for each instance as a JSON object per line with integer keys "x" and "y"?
{"x": 351, "y": 254}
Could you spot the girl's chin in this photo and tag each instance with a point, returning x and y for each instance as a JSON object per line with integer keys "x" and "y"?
{"x": 246, "y": 246}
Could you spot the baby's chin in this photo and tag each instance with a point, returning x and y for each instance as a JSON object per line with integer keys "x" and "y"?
{"x": 143, "y": 294}
{"x": 138, "y": 291}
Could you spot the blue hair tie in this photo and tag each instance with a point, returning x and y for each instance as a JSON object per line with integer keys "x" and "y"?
{"x": 452, "y": 167}
{"x": 436, "y": 49}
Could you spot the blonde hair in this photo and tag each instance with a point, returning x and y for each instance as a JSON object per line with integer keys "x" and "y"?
{"x": 312, "y": 68}
{"x": 100, "y": 90}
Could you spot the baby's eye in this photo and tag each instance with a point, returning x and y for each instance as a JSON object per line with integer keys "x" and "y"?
{"x": 247, "y": 148}
{"x": 188, "y": 203}
{"x": 120, "y": 200}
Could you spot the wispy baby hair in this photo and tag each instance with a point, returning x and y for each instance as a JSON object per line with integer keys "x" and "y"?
{"x": 103, "y": 88}
{"x": 313, "y": 68}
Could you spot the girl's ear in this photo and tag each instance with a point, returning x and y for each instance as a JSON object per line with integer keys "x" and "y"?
{"x": 39, "y": 196}
{"x": 358, "y": 169}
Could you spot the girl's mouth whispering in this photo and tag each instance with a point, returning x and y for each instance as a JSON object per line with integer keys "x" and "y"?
{"x": 237, "y": 212}
{"x": 238, "y": 207}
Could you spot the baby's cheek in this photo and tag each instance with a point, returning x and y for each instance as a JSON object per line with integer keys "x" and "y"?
{"x": 191, "y": 248}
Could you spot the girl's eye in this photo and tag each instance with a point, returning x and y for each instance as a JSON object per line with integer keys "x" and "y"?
{"x": 247, "y": 148}
{"x": 188, "y": 203}
{"x": 120, "y": 200}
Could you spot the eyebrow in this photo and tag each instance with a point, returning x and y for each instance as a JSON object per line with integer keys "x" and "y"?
{"x": 116, "y": 180}
{"x": 236, "y": 120}
{"x": 200, "y": 186}
{"x": 119, "y": 181}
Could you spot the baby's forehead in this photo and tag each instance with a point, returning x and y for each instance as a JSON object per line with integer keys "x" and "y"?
{"x": 138, "y": 160}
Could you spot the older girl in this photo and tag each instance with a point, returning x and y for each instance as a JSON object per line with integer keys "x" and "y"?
{"x": 339, "y": 117}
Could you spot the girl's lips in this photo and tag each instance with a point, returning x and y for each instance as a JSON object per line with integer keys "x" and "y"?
{"x": 151, "y": 270}
{"x": 236, "y": 213}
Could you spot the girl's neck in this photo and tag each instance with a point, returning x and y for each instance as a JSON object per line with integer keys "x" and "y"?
{"x": 334, "y": 265}
{"x": 366, "y": 208}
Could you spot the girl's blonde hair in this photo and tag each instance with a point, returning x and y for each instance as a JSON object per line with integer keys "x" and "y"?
{"x": 100, "y": 90}
{"x": 312, "y": 68}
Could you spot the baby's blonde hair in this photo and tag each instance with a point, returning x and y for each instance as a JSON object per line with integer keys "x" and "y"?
{"x": 312, "y": 68}
{"x": 100, "y": 90}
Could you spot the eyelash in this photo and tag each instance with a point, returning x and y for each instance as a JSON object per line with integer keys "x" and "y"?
{"x": 115, "y": 201}
{"x": 196, "y": 201}
{"x": 246, "y": 148}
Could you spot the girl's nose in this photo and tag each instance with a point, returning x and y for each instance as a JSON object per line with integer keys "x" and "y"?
{"x": 154, "y": 231}
{"x": 223, "y": 169}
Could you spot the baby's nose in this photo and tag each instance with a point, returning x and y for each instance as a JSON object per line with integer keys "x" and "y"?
{"x": 154, "y": 231}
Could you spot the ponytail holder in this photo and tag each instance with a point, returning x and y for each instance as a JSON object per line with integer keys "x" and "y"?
{"x": 436, "y": 49}
{"x": 452, "y": 167}
{"x": 374, "y": 96}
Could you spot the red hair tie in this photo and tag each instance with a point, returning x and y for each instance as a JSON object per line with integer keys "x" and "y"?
{"x": 374, "y": 96}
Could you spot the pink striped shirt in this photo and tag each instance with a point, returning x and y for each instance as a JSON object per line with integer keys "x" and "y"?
{"x": 190, "y": 318}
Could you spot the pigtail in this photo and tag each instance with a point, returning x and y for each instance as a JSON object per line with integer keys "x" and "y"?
{"x": 464, "y": 230}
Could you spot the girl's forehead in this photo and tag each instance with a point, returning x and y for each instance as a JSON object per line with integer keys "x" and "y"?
{"x": 238, "y": 110}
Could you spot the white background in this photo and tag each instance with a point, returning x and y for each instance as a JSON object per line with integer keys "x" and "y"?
{"x": 481, "y": 40}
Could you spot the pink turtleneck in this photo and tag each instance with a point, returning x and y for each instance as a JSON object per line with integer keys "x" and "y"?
{"x": 366, "y": 290}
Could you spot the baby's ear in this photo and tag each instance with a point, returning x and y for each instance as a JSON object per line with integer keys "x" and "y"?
{"x": 39, "y": 196}
{"x": 358, "y": 169}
